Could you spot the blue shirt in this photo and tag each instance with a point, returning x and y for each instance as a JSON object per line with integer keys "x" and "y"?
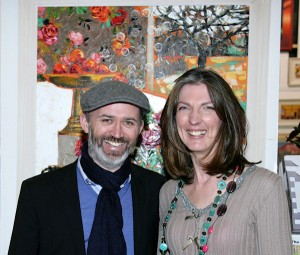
{"x": 88, "y": 194}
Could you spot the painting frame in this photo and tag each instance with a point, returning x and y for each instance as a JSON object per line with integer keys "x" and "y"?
{"x": 288, "y": 122}
{"x": 294, "y": 72}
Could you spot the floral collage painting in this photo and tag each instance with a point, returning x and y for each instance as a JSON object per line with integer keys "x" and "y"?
{"x": 145, "y": 46}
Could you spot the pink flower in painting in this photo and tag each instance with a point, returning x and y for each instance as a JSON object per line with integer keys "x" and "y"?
{"x": 41, "y": 66}
{"x": 65, "y": 60}
{"x": 151, "y": 137}
{"x": 76, "y": 38}
{"x": 156, "y": 117}
{"x": 48, "y": 34}
{"x": 96, "y": 57}
{"x": 41, "y": 11}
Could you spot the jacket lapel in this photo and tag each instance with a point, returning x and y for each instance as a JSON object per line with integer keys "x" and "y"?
{"x": 71, "y": 206}
{"x": 138, "y": 195}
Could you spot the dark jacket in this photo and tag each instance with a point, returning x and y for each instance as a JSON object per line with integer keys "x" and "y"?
{"x": 48, "y": 216}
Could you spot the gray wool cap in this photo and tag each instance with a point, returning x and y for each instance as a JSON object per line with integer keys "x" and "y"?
{"x": 110, "y": 92}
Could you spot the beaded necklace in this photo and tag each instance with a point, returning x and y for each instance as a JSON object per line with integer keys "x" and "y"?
{"x": 207, "y": 227}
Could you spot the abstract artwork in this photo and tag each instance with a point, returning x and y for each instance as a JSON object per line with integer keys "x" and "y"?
{"x": 145, "y": 46}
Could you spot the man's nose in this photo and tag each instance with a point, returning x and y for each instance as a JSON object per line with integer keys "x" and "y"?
{"x": 117, "y": 130}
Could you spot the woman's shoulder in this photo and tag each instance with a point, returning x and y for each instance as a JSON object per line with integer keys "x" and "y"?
{"x": 259, "y": 178}
{"x": 169, "y": 187}
{"x": 262, "y": 174}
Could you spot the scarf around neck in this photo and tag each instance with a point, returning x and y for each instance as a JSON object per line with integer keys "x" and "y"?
{"x": 106, "y": 237}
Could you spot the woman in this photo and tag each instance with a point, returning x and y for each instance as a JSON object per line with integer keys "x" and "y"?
{"x": 217, "y": 202}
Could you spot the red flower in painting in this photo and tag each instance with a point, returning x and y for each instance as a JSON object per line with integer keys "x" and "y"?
{"x": 100, "y": 13}
{"x": 75, "y": 69}
{"x": 89, "y": 66}
{"x": 78, "y": 145}
{"x": 119, "y": 19}
{"x": 60, "y": 68}
{"x": 103, "y": 69}
{"x": 48, "y": 34}
{"x": 77, "y": 56}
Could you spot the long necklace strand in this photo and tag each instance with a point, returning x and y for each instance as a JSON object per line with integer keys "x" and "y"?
{"x": 207, "y": 227}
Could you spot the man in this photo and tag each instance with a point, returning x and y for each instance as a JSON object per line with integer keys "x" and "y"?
{"x": 102, "y": 203}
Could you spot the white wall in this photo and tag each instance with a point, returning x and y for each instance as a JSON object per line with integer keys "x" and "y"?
{"x": 8, "y": 113}
{"x": 18, "y": 90}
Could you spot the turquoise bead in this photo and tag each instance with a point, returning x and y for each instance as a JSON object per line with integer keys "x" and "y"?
{"x": 206, "y": 225}
{"x": 222, "y": 185}
{"x": 212, "y": 212}
{"x": 201, "y": 253}
{"x": 217, "y": 199}
{"x": 163, "y": 246}
{"x": 167, "y": 217}
{"x": 173, "y": 206}
{"x": 203, "y": 240}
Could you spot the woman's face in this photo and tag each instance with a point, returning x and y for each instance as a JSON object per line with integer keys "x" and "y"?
{"x": 197, "y": 122}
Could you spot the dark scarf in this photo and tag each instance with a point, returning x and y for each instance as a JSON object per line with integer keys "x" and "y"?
{"x": 106, "y": 236}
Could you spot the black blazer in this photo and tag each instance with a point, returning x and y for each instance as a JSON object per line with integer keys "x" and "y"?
{"x": 48, "y": 216}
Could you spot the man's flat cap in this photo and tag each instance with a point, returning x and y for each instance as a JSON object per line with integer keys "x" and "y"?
{"x": 110, "y": 92}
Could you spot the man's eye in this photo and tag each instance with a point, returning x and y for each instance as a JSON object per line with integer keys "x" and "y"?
{"x": 106, "y": 120}
{"x": 129, "y": 123}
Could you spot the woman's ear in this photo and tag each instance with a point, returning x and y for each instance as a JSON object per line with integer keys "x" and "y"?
{"x": 84, "y": 123}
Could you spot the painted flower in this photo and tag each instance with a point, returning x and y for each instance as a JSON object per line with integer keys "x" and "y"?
{"x": 75, "y": 69}
{"x": 120, "y": 17}
{"x": 156, "y": 117}
{"x": 151, "y": 137}
{"x": 41, "y": 66}
{"x": 119, "y": 46}
{"x": 102, "y": 69}
{"x": 77, "y": 56}
{"x": 97, "y": 57}
{"x": 60, "y": 68}
{"x": 76, "y": 38}
{"x": 41, "y": 11}
{"x": 89, "y": 66}
{"x": 79, "y": 144}
{"x": 100, "y": 13}
{"x": 65, "y": 60}
{"x": 48, "y": 33}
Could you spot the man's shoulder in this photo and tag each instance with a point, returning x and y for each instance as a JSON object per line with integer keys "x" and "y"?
{"x": 53, "y": 174}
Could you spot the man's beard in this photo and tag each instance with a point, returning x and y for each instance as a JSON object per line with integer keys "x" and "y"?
{"x": 108, "y": 162}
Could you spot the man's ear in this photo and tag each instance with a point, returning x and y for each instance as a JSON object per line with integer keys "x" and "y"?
{"x": 142, "y": 126}
{"x": 84, "y": 123}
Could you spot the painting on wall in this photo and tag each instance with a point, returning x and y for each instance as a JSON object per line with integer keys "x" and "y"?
{"x": 145, "y": 46}
{"x": 289, "y": 116}
{"x": 287, "y": 25}
{"x": 294, "y": 71}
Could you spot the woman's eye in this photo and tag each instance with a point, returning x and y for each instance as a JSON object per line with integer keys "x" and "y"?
{"x": 181, "y": 108}
{"x": 208, "y": 107}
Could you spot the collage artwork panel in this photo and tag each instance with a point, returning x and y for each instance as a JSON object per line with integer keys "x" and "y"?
{"x": 145, "y": 46}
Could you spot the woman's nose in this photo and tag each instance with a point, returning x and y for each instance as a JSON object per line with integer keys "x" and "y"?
{"x": 195, "y": 117}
